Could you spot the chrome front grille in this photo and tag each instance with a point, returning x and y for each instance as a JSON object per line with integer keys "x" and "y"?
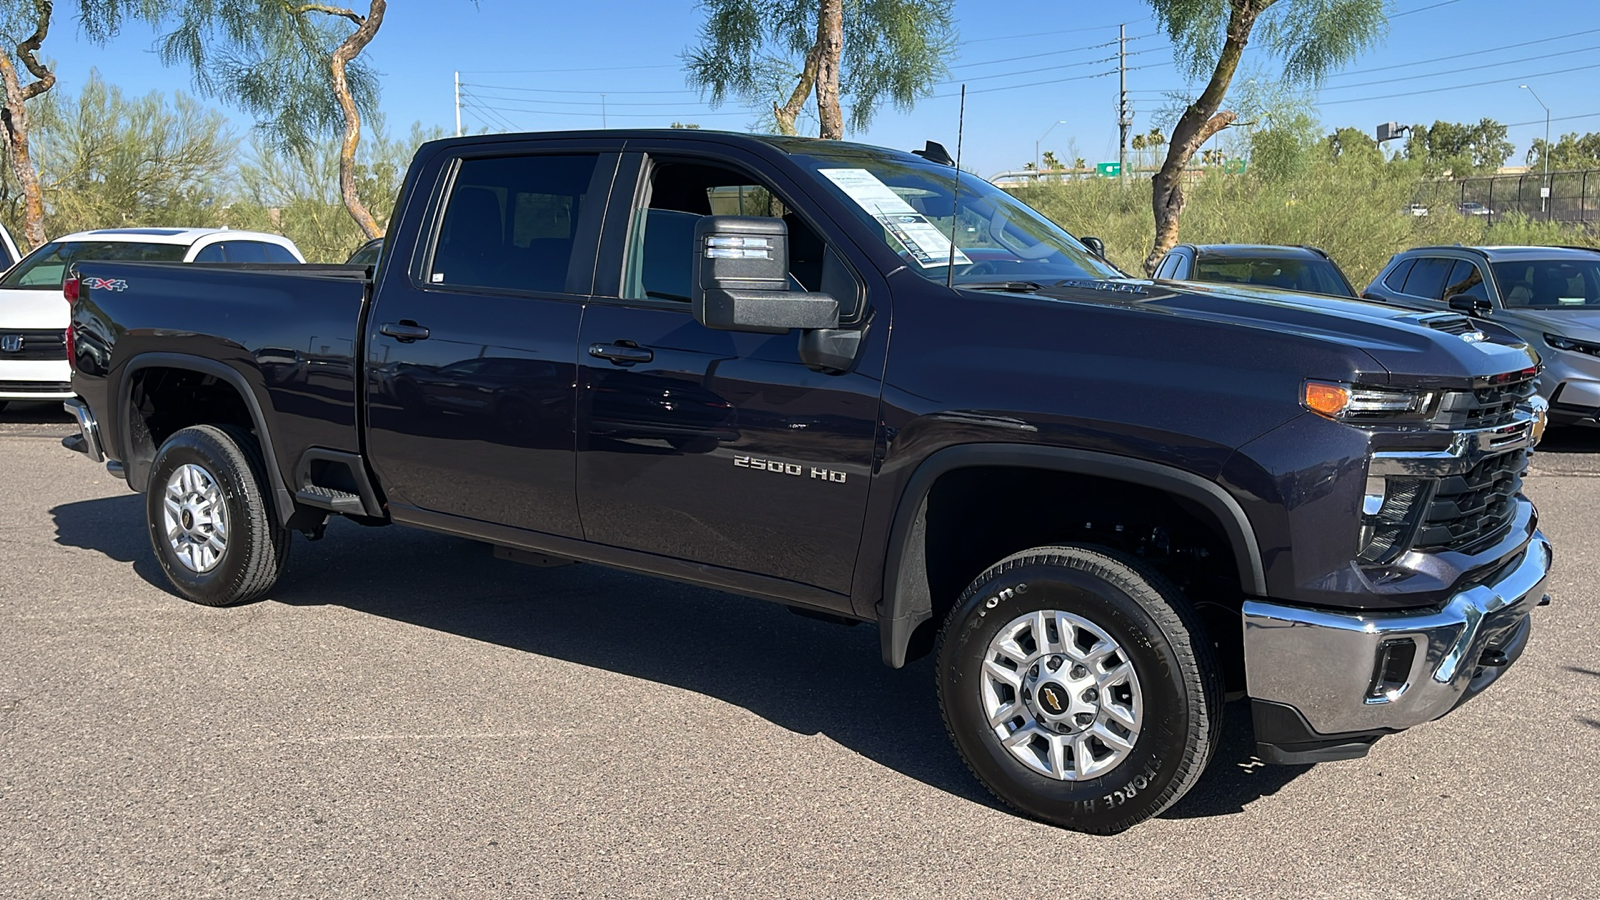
{"x": 1489, "y": 405}
{"x": 1474, "y": 508}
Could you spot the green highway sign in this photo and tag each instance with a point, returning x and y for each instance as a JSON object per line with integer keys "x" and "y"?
{"x": 1108, "y": 169}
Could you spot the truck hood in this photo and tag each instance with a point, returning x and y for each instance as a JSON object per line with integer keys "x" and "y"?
{"x": 1407, "y": 346}
{"x": 32, "y": 309}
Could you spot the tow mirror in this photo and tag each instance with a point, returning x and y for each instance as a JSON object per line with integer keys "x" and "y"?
{"x": 1472, "y": 306}
{"x": 741, "y": 279}
{"x": 1095, "y": 245}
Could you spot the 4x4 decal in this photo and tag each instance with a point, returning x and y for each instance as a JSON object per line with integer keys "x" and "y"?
{"x": 105, "y": 284}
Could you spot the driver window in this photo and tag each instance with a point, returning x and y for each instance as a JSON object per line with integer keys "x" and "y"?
{"x": 661, "y": 247}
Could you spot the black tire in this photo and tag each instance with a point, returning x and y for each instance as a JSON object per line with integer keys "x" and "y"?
{"x": 257, "y": 546}
{"x": 1176, "y": 666}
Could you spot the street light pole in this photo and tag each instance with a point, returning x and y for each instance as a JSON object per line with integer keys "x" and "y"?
{"x": 1544, "y": 195}
{"x": 1036, "y": 147}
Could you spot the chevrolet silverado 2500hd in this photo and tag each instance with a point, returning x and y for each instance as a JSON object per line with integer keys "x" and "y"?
{"x": 865, "y": 385}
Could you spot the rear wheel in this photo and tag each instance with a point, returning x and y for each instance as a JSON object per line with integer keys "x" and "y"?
{"x": 212, "y": 528}
{"x": 1079, "y": 687}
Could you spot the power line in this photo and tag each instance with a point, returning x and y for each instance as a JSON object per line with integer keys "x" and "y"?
{"x": 1456, "y": 56}
{"x": 1508, "y": 62}
{"x": 609, "y": 103}
{"x": 1014, "y": 37}
{"x": 1424, "y": 8}
{"x": 1460, "y": 87}
{"x": 1012, "y": 87}
{"x": 596, "y": 92}
{"x": 1099, "y": 46}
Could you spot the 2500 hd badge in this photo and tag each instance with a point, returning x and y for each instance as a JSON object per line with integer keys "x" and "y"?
{"x": 788, "y": 468}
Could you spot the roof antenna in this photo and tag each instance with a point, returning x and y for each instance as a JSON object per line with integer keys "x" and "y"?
{"x": 955, "y": 199}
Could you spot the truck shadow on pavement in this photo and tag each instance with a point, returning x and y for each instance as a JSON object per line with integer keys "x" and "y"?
{"x": 810, "y": 677}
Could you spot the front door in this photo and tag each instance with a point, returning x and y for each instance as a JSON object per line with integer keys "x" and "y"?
{"x": 721, "y": 447}
{"x": 472, "y": 362}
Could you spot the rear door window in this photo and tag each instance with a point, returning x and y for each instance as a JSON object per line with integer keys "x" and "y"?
{"x": 1427, "y": 277}
{"x": 211, "y": 254}
{"x": 511, "y": 223}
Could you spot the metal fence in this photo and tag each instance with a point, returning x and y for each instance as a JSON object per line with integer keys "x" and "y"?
{"x": 1573, "y": 197}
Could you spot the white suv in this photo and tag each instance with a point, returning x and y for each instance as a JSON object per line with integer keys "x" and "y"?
{"x": 33, "y": 314}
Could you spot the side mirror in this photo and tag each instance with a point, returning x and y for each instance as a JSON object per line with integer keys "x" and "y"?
{"x": 1472, "y": 306}
{"x": 1095, "y": 245}
{"x": 741, "y": 279}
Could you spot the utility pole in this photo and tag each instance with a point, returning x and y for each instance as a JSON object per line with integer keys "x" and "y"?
{"x": 602, "y": 111}
{"x": 1124, "y": 113}
{"x": 1544, "y": 192}
{"x": 458, "y": 104}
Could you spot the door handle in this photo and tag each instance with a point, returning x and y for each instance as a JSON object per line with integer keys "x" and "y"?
{"x": 622, "y": 354}
{"x": 405, "y": 331}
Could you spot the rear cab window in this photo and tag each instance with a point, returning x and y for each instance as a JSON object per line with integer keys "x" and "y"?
{"x": 512, "y": 223}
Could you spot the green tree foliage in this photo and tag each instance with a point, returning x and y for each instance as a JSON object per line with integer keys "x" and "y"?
{"x": 1351, "y": 146}
{"x": 295, "y": 191}
{"x": 1570, "y": 152}
{"x": 1358, "y": 214}
{"x": 1459, "y": 148}
{"x": 292, "y": 65}
{"x": 107, "y": 160}
{"x": 1310, "y": 37}
{"x": 777, "y": 54}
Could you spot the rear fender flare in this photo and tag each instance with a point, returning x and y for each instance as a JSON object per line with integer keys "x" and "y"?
{"x": 906, "y": 601}
{"x": 139, "y": 473}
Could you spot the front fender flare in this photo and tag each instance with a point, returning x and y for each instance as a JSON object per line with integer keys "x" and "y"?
{"x": 906, "y": 602}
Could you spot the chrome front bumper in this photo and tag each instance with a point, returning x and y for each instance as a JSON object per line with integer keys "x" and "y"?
{"x": 1344, "y": 672}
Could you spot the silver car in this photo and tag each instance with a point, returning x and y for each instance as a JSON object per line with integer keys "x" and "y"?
{"x": 1550, "y": 296}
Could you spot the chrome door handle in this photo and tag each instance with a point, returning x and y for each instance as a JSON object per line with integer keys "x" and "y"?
{"x": 622, "y": 354}
{"x": 404, "y": 331}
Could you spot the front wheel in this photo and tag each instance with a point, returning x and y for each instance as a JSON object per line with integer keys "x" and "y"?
{"x": 1079, "y": 687}
{"x": 210, "y": 523}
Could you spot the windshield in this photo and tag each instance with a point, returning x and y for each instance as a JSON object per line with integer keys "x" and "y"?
{"x": 47, "y": 266}
{"x": 911, "y": 206}
{"x": 1312, "y": 276}
{"x": 1549, "y": 284}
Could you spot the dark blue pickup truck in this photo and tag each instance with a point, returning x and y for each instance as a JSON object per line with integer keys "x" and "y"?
{"x": 864, "y": 385}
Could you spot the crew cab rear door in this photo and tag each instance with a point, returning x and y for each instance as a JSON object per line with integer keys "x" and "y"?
{"x": 471, "y": 343}
{"x": 719, "y": 447}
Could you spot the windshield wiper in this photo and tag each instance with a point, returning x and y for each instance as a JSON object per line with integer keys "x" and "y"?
{"x": 1010, "y": 287}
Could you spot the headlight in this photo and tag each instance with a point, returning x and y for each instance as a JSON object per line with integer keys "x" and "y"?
{"x": 1363, "y": 402}
{"x": 1566, "y": 343}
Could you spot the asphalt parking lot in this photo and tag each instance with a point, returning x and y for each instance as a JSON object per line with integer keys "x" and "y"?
{"x": 409, "y": 717}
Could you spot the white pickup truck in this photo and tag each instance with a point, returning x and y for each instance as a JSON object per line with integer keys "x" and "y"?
{"x": 33, "y": 317}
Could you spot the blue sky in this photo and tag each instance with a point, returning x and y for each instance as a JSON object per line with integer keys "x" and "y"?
{"x": 543, "y": 66}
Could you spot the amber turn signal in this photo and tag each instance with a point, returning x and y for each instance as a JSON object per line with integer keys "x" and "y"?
{"x": 1328, "y": 399}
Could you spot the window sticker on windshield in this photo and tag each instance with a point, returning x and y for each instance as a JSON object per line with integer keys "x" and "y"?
{"x": 926, "y": 243}
{"x": 868, "y": 192}
{"x": 922, "y": 239}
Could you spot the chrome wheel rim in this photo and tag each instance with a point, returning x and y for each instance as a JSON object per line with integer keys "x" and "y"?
{"x": 1061, "y": 695}
{"x": 195, "y": 518}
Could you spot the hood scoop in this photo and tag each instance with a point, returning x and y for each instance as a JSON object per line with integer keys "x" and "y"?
{"x": 1451, "y": 323}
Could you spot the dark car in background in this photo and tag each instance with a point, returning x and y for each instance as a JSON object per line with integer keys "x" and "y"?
{"x": 1305, "y": 269}
{"x": 1549, "y": 296}
{"x": 366, "y": 254}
